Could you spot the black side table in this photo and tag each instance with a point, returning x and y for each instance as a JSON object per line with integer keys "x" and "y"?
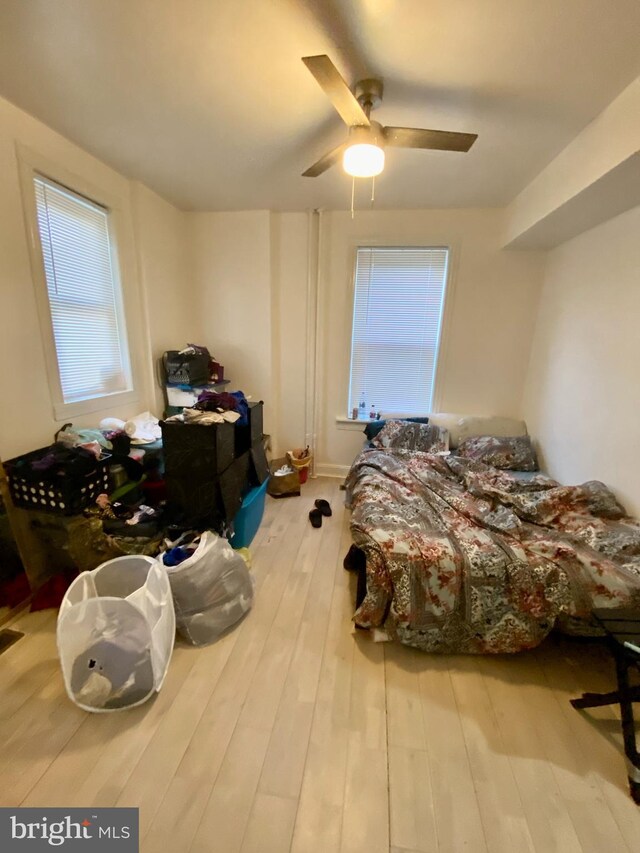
{"x": 622, "y": 630}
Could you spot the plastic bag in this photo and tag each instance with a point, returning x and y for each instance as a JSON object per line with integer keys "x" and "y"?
{"x": 212, "y": 590}
{"x": 116, "y": 629}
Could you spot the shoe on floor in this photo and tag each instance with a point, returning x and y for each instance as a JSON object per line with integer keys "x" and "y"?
{"x": 324, "y": 507}
{"x": 315, "y": 517}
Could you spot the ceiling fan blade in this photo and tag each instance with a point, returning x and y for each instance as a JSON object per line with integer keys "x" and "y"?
{"x": 442, "y": 140}
{"x": 326, "y": 162}
{"x": 335, "y": 88}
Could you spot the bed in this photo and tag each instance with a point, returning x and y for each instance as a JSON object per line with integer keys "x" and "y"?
{"x": 462, "y": 557}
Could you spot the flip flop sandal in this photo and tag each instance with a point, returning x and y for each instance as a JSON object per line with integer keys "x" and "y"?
{"x": 323, "y": 506}
{"x": 315, "y": 517}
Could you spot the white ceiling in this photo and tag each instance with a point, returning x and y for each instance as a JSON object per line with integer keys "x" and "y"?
{"x": 208, "y": 103}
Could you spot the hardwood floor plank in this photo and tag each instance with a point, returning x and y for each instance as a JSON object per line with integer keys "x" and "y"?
{"x": 411, "y": 811}
{"x": 494, "y": 782}
{"x": 404, "y": 706}
{"x": 550, "y": 825}
{"x": 286, "y": 755}
{"x": 226, "y": 814}
{"x": 365, "y": 819}
{"x": 319, "y": 819}
{"x": 270, "y": 825}
{"x": 458, "y": 820}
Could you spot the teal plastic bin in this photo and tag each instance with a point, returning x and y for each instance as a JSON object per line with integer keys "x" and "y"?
{"x": 249, "y": 516}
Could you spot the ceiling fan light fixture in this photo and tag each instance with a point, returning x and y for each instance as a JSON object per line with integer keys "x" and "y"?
{"x": 363, "y": 160}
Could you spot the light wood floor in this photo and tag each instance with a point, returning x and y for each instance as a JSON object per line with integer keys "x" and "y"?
{"x": 295, "y": 733}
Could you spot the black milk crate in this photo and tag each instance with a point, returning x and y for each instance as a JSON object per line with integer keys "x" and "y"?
{"x": 195, "y": 450}
{"x": 247, "y": 436}
{"x": 63, "y": 493}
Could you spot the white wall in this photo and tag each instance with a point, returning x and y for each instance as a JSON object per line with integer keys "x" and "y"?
{"x": 27, "y": 419}
{"x": 582, "y": 396}
{"x": 232, "y": 273}
{"x": 490, "y": 313}
{"x": 289, "y": 246}
{"x": 172, "y": 316}
{"x": 580, "y": 184}
{"x": 251, "y": 273}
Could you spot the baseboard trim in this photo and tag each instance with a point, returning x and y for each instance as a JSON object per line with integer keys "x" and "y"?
{"x": 338, "y": 471}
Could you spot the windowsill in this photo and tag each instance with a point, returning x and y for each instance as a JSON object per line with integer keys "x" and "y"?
{"x": 64, "y": 411}
{"x": 349, "y": 423}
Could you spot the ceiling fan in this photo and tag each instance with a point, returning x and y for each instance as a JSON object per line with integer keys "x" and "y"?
{"x": 363, "y": 151}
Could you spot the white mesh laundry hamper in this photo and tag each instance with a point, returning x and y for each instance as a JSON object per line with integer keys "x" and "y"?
{"x": 116, "y": 629}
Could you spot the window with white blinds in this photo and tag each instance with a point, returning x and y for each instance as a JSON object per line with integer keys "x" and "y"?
{"x": 397, "y": 317}
{"x": 83, "y": 294}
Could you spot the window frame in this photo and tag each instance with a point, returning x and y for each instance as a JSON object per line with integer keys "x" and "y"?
{"x": 32, "y": 165}
{"x": 445, "y": 319}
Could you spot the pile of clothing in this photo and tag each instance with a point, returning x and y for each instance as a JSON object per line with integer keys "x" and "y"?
{"x": 57, "y": 462}
{"x": 117, "y": 517}
{"x": 180, "y": 549}
{"x": 212, "y": 408}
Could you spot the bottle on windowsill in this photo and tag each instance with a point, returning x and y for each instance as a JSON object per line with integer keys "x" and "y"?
{"x": 362, "y": 407}
{"x": 372, "y": 413}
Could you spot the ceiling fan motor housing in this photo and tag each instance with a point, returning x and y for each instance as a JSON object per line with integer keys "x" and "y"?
{"x": 373, "y": 135}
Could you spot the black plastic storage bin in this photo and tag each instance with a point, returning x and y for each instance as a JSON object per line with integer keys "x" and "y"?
{"x": 247, "y": 436}
{"x": 186, "y": 369}
{"x": 207, "y": 499}
{"x": 197, "y": 450}
{"x": 61, "y": 493}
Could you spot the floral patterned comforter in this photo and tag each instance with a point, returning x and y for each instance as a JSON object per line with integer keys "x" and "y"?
{"x": 461, "y": 557}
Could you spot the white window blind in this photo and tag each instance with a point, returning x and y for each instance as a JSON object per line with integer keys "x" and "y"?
{"x": 397, "y": 315}
{"x": 83, "y": 292}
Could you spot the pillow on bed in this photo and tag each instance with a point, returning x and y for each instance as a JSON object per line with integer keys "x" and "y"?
{"x": 400, "y": 435}
{"x": 511, "y": 453}
{"x": 374, "y": 427}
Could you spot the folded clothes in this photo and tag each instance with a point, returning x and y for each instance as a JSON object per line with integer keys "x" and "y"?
{"x": 209, "y": 401}
{"x": 195, "y": 416}
{"x": 205, "y": 418}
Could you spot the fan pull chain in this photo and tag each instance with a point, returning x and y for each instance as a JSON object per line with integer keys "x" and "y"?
{"x": 373, "y": 190}
{"x": 353, "y": 192}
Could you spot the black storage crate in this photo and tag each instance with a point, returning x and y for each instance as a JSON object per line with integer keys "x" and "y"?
{"x": 206, "y": 499}
{"x": 259, "y": 468}
{"x": 186, "y": 369}
{"x": 63, "y": 493}
{"x": 247, "y": 436}
{"x": 195, "y": 450}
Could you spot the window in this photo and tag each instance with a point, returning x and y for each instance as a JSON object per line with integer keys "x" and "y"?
{"x": 83, "y": 291}
{"x": 397, "y": 317}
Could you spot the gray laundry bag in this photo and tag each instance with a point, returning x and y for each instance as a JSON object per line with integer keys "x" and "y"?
{"x": 212, "y": 590}
{"x": 115, "y": 633}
